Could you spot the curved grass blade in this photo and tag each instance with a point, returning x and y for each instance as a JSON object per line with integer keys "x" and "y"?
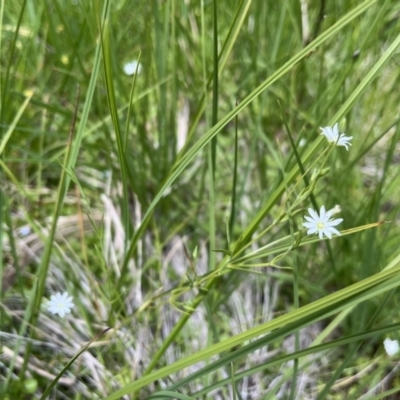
{"x": 279, "y": 327}
{"x": 203, "y": 141}
{"x": 167, "y": 394}
{"x": 70, "y": 362}
{"x": 302, "y": 353}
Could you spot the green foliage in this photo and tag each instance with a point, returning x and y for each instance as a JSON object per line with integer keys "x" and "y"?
{"x": 168, "y": 201}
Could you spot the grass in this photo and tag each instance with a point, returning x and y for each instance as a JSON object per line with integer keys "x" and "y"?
{"x": 169, "y": 203}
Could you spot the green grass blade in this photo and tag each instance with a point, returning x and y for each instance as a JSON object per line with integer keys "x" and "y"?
{"x": 204, "y": 140}
{"x": 287, "y": 323}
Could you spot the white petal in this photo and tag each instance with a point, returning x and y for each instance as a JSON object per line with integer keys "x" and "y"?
{"x": 335, "y": 130}
{"x": 329, "y": 213}
{"x": 327, "y": 132}
{"x": 334, "y": 222}
{"x": 309, "y": 225}
{"x": 313, "y": 214}
{"x": 332, "y": 230}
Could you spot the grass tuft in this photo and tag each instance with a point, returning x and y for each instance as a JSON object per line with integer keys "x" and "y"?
{"x": 157, "y": 162}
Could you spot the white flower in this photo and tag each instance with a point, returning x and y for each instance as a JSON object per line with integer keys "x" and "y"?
{"x": 302, "y": 142}
{"x": 335, "y": 210}
{"x": 391, "y": 346}
{"x": 130, "y": 67}
{"x": 321, "y": 224}
{"x": 60, "y": 304}
{"x": 24, "y": 230}
{"x": 333, "y": 136}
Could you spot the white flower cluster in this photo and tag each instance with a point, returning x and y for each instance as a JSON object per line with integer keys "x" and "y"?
{"x": 321, "y": 223}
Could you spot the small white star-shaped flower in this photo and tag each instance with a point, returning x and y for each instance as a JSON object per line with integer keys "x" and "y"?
{"x": 391, "y": 346}
{"x": 333, "y": 136}
{"x": 321, "y": 224}
{"x": 60, "y": 304}
{"x": 131, "y": 67}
